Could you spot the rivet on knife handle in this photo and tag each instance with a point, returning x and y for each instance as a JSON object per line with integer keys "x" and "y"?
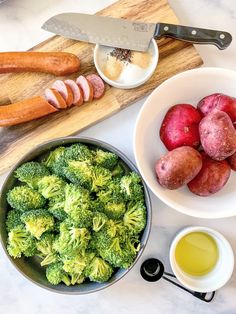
{"x": 194, "y": 35}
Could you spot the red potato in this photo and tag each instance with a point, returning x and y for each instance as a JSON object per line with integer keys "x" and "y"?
{"x": 221, "y": 102}
{"x": 180, "y": 127}
{"x": 87, "y": 88}
{"x": 98, "y": 85}
{"x": 212, "y": 177}
{"x": 232, "y": 161}
{"x": 178, "y": 167}
{"x": 65, "y": 91}
{"x": 54, "y": 98}
{"x": 217, "y": 134}
{"x": 77, "y": 92}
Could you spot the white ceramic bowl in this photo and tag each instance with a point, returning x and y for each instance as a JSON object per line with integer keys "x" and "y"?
{"x": 221, "y": 273}
{"x": 99, "y": 49}
{"x": 186, "y": 87}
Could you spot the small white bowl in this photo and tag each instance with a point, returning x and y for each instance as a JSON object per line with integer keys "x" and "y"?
{"x": 100, "y": 50}
{"x": 186, "y": 87}
{"x": 221, "y": 273}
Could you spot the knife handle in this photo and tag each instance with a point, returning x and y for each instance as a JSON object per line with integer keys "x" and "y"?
{"x": 194, "y": 35}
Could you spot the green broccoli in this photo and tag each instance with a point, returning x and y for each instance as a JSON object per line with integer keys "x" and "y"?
{"x": 56, "y": 274}
{"x": 46, "y": 249}
{"x": 24, "y": 198}
{"x": 31, "y": 172}
{"x": 13, "y": 219}
{"x": 111, "y": 193}
{"x": 135, "y": 217}
{"x": 56, "y": 207}
{"x": 38, "y": 221}
{"x": 98, "y": 270}
{"x": 20, "y": 242}
{"x": 75, "y": 264}
{"x": 78, "y": 152}
{"x": 105, "y": 159}
{"x": 51, "y": 186}
{"x": 71, "y": 240}
{"x": 114, "y": 210}
{"x": 119, "y": 171}
{"x": 132, "y": 187}
{"x": 99, "y": 220}
{"x": 56, "y": 161}
{"x": 79, "y": 172}
{"x": 100, "y": 178}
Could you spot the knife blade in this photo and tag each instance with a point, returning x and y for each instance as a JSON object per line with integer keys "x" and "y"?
{"x": 127, "y": 34}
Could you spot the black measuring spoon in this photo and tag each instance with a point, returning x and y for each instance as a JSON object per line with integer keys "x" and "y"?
{"x": 153, "y": 270}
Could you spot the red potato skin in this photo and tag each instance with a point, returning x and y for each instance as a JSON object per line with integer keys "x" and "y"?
{"x": 180, "y": 127}
{"x": 221, "y": 102}
{"x": 24, "y": 111}
{"x": 232, "y": 161}
{"x": 217, "y": 135}
{"x": 212, "y": 177}
{"x": 178, "y": 167}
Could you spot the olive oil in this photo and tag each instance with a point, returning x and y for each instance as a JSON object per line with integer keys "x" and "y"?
{"x": 196, "y": 253}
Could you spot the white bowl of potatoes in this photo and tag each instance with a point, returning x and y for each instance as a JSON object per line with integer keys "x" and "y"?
{"x": 194, "y": 188}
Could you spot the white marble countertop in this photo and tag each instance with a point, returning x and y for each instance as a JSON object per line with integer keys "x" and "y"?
{"x": 20, "y": 23}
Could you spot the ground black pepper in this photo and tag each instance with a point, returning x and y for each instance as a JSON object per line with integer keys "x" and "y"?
{"x": 122, "y": 54}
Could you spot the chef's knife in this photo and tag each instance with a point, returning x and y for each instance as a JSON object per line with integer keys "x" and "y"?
{"x": 129, "y": 34}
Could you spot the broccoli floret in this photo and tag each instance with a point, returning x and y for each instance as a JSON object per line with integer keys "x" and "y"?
{"x": 56, "y": 161}
{"x": 98, "y": 270}
{"x": 13, "y": 219}
{"x": 79, "y": 172}
{"x": 96, "y": 206}
{"x": 78, "y": 152}
{"x": 100, "y": 178}
{"x": 114, "y": 210}
{"x": 75, "y": 197}
{"x": 105, "y": 159}
{"x": 119, "y": 171}
{"x": 56, "y": 274}
{"x": 72, "y": 240}
{"x": 38, "y": 221}
{"x": 24, "y": 198}
{"x": 51, "y": 186}
{"x": 31, "y": 172}
{"x": 132, "y": 187}
{"x": 56, "y": 207}
{"x": 112, "y": 192}
{"x": 46, "y": 249}
{"x": 99, "y": 219}
{"x": 135, "y": 217}
{"x": 20, "y": 242}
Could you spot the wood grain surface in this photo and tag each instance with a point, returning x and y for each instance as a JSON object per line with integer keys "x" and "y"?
{"x": 174, "y": 57}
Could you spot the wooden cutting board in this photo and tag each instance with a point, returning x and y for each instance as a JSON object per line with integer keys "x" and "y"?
{"x": 175, "y": 56}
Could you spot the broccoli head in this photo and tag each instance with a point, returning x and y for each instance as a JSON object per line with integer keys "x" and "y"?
{"x": 105, "y": 159}
{"x": 99, "y": 220}
{"x": 56, "y": 161}
{"x": 56, "y": 207}
{"x": 78, "y": 152}
{"x": 38, "y": 221}
{"x": 100, "y": 178}
{"x": 51, "y": 186}
{"x": 71, "y": 240}
{"x": 132, "y": 187}
{"x": 119, "y": 171}
{"x": 75, "y": 264}
{"x": 46, "y": 249}
{"x": 111, "y": 193}
{"x": 13, "y": 219}
{"x": 24, "y": 198}
{"x": 114, "y": 210}
{"x": 31, "y": 172}
{"x": 135, "y": 217}
{"x": 56, "y": 274}
{"x": 98, "y": 270}
{"x": 76, "y": 198}
{"x": 20, "y": 242}
{"x": 79, "y": 172}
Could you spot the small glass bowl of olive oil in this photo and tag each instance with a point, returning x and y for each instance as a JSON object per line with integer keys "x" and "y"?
{"x": 201, "y": 258}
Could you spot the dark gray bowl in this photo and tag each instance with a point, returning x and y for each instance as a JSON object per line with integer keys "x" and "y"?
{"x": 29, "y": 267}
